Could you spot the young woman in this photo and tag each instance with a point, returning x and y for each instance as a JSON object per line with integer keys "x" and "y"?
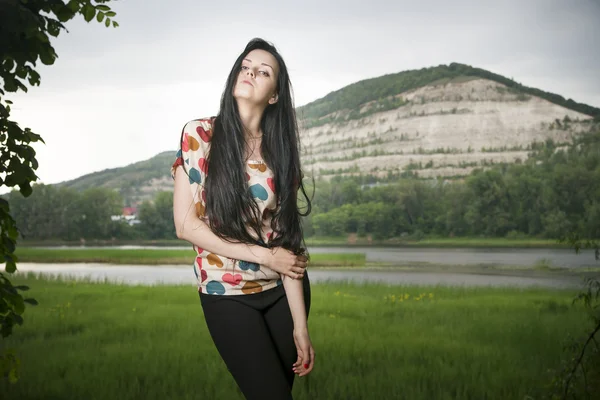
{"x": 237, "y": 179}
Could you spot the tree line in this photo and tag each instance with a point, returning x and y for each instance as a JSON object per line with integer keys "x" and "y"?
{"x": 62, "y": 213}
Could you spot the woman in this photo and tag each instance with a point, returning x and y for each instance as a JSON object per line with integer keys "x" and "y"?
{"x": 237, "y": 176}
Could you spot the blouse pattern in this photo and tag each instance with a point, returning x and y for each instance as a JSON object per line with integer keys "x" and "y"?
{"x": 217, "y": 274}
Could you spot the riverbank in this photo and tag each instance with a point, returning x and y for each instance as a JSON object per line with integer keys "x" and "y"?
{"x": 475, "y": 261}
{"x": 470, "y": 276}
{"x": 467, "y": 242}
{"x": 154, "y": 257}
{"x": 106, "y": 341}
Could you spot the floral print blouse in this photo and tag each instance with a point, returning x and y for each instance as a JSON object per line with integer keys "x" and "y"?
{"x": 216, "y": 274}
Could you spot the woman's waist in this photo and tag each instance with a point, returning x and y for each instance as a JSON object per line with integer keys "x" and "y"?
{"x": 249, "y": 270}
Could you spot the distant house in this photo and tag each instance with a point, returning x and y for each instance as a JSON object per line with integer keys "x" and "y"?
{"x": 128, "y": 214}
{"x": 129, "y": 211}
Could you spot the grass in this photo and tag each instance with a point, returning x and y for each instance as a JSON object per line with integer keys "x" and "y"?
{"x": 106, "y": 341}
{"x": 154, "y": 256}
{"x": 466, "y": 242}
{"x": 473, "y": 242}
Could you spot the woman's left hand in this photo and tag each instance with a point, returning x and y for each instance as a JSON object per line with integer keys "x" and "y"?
{"x": 306, "y": 354}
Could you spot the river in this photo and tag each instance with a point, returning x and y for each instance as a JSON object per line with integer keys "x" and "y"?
{"x": 169, "y": 274}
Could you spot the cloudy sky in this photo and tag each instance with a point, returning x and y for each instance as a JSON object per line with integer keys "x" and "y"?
{"x": 117, "y": 96}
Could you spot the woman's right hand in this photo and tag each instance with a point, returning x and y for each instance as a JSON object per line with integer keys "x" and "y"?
{"x": 285, "y": 262}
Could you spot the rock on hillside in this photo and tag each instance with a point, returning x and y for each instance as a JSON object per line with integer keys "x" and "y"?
{"x": 444, "y": 129}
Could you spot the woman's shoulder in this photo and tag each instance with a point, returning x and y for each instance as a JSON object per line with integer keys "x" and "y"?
{"x": 200, "y": 128}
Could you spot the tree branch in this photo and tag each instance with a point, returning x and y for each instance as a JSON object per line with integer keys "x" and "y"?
{"x": 579, "y": 360}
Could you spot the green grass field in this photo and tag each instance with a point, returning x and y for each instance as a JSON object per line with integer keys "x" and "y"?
{"x": 466, "y": 242}
{"x": 106, "y": 341}
{"x": 154, "y": 256}
{"x": 343, "y": 241}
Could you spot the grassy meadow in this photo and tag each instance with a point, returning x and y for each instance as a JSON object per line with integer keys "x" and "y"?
{"x": 372, "y": 341}
{"x": 343, "y": 240}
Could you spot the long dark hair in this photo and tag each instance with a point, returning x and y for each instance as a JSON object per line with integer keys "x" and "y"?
{"x": 232, "y": 212}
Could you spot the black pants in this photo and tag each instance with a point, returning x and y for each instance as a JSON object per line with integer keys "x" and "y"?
{"x": 254, "y": 335}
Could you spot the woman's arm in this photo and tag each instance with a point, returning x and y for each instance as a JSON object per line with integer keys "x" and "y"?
{"x": 192, "y": 229}
{"x": 306, "y": 353}
{"x": 295, "y": 295}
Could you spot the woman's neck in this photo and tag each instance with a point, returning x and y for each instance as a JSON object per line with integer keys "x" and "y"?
{"x": 251, "y": 117}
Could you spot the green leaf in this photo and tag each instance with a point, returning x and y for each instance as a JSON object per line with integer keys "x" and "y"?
{"x": 42, "y": 37}
{"x": 21, "y": 86}
{"x": 73, "y": 5}
{"x": 33, "y": 137}
{"x": 11, "y": 267}
{"x": 107, "y": 22}
{"x": 110, "y": 13}
{"x": 9, "y": 64}
{"x": 9, "y": 244}
{"x": 102, "y": 7}
{"x": 21, "y": 72}
{"x": 48, "y": 56}
{"x": 100, "y": 16}
{"x": 8, "y": 102}
{"x": 65, "y": 14}
{"x": 54, "y": 26}
{"x": 88, "y": 12}
{"x": 25, "y": 189}
{"x": 31, "y": 301}
{"x": 115, "y": 24}
{"x": 34, "y": 78}
{"x": 10, "y": 84}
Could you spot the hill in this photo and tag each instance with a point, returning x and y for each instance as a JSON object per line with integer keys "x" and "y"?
{"x": 438, "y": 121}
{"x": 136, "y": 182}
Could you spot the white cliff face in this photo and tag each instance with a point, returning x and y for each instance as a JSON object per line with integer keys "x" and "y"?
{"x": 448, "y": 128}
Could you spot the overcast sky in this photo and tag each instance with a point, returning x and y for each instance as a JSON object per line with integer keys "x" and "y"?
{"x": 117, "y": 96}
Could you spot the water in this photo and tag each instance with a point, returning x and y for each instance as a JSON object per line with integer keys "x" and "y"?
{"x": 169, "y": 274}
{"x": 564, "y": 258}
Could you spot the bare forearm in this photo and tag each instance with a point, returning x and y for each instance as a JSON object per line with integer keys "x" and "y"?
{"x": 295, "y": 296}
{"x": 198, "y": 233}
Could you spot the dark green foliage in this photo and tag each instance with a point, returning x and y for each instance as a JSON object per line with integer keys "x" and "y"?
{"x": 61, "y": 213}
{"x": 553, "y": 194}
{"x": 157, "y": 217}
{"x": 26, "y": 27}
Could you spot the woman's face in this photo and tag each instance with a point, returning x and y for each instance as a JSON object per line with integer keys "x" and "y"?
{"x": 257, "y": 79}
